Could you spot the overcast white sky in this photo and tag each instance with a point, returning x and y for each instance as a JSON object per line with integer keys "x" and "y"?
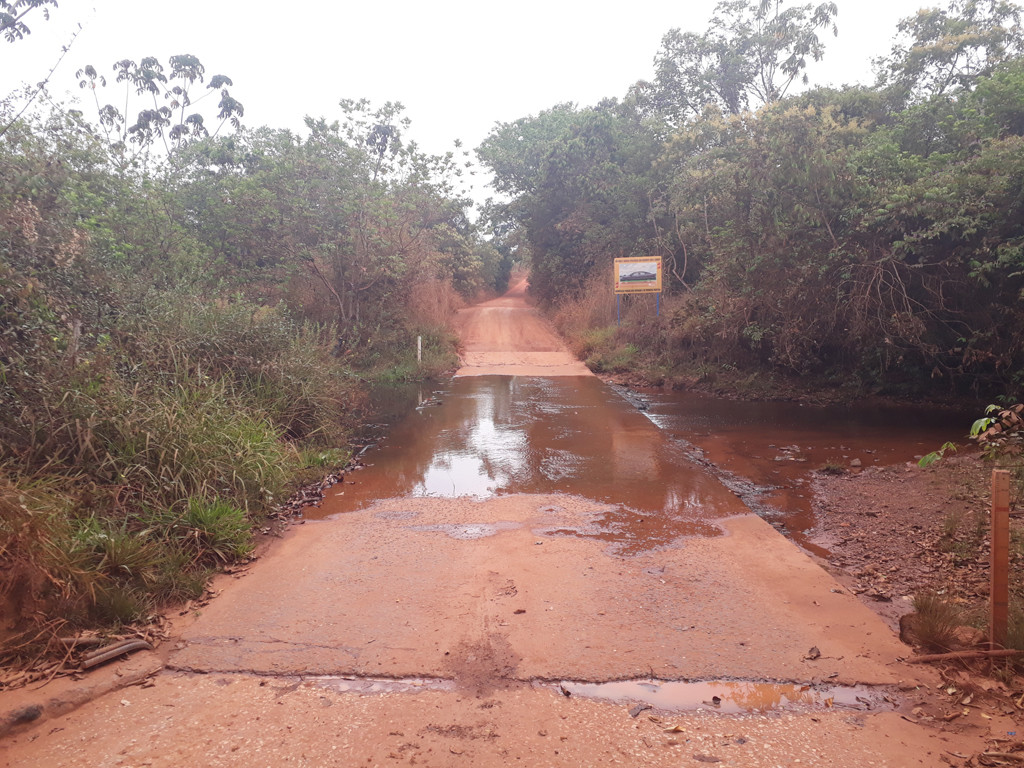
{"x": 459, "y": 66}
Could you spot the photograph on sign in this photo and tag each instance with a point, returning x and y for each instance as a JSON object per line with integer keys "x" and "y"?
{"x": 637, "y": 275}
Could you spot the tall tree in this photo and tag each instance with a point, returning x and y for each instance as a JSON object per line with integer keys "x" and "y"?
{"x": 751, "y": 54}
{"x": 170, "y": 114}
{"x": 578, "y": 176}
{"x": 940, "y": 52}
{"x": 14, "y": 12}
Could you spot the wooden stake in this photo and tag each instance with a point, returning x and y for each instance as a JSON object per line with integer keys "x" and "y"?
{"x": 999, "y": 593}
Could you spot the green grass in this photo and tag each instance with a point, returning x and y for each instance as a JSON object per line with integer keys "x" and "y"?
{"x": 216, "y": 530}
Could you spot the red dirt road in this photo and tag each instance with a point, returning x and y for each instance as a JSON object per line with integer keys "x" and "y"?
{"x": 507, "y": 337}
{"x": 453, "y": 632}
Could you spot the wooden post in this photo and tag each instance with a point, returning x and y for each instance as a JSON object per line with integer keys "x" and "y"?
{"x": 999, "y": 593}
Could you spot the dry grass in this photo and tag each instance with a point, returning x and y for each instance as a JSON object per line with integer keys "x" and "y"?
{"x": 592, "y": 312}
{"x": 935, "y": 622}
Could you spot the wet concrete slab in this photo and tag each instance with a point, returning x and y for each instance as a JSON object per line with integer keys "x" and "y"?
{"x": 399, "y": 590}
{"x": 238, "y": 721}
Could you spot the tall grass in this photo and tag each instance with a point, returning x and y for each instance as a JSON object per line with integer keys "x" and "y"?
{"x": 145, "y": 459}
{"x": 198, "y": 439}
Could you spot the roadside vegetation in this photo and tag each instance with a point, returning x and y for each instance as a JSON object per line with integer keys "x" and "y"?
{"x": 867, "y": 237}
{"x": 191, "y": 314}
{"x": 191, "y": 311}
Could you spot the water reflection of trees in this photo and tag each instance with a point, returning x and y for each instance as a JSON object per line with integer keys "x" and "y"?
{"x": 499, "y": 434}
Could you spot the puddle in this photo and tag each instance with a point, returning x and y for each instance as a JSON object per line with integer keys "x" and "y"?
{"x": 629, "y": 532}
{"x": 733, "y": 697}
{"x": 667, "y": 471}
{"x": 494, "y": 435}
{"x": 725, "y": 696}
{"x": 767, "y": 452}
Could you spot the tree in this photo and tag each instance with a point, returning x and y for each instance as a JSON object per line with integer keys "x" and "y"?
{"x": 750, "y": 55}
{"x": 579, "y": 180}
{"x": 13, "y": 13}
{"x": 346, "y": 223}
{"x": 941, "y": 52}
{"x": 169, "y": 118}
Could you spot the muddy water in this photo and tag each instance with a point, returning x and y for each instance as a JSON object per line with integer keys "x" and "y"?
{"x": 732, "y": 696}
{"x": 723, "y": 696}
{"x": 490, "y": 435}
{"x": 773, "y": 449}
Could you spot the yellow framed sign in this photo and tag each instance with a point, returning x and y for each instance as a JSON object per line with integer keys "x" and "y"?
{"x": 638, "y": 274}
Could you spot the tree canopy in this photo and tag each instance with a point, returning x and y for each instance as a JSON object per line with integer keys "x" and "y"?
{"x": 750, "y": 55}
{"x": 13, "y": 15}
{"x": 872, "y": 234}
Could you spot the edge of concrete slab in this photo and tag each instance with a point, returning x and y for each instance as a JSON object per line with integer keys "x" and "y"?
{"x": 24, "y": 708}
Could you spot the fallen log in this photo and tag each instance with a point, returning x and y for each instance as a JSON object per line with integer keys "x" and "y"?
{"x": 112, "y": 652}
{"x": 954, "y": 655}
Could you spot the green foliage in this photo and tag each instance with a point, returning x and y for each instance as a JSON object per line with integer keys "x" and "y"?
{"x": 580, "y": 177}
{"x": 873, "y": 236}
{"x": 930, "y": 458}
{"x": 13, "y": 13}
{"x": 216, "y": 529}
{"x": 178, "y": 338}
{"x": 398, "y": 364}
{"x": 616, "y": 360}
{"x": 750, "y": 55}
{"x": 168, "y": 96}
{"x": 326, "y": 458}
{"x": 940, "y": 52}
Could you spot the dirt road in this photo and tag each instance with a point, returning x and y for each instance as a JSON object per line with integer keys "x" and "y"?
{"x": 507, "y": 337}
{"x": 445, "y": 629}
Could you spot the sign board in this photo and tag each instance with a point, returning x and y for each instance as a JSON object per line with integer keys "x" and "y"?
{"x": 638, "y": 274}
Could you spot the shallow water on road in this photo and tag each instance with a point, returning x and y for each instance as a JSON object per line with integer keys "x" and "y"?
{"x": 733, "y": 696}
{"x": 776, "y": 447}
{"x": 492, "y": 435}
